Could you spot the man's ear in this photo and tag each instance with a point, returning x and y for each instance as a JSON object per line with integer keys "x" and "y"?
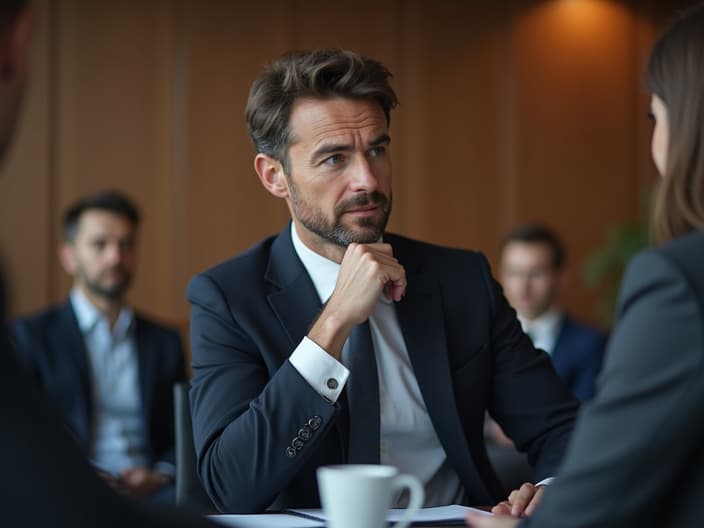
{"x": 67, "y": 257}
{"x": 15, "y": 47}
{"x": 271, "y": 174}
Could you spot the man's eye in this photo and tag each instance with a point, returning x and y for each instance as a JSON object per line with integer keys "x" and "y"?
{"x": 334, "y": 160}
{"x": 99, "y": 244}
{"x": 375, "y": 152}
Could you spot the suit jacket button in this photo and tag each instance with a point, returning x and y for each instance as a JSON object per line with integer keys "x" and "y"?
{"x": 332, "y": 383}
{"x": 315, "y": 422}
{"x": 297, "y": 443}
{"x": 290, "y": 452}
{"x": 304, "y": 433}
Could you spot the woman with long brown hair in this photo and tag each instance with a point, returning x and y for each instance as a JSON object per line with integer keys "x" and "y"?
{"x": 637, "y": 454}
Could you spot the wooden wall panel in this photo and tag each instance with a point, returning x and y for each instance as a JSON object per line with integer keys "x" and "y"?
{"x": 510, "y": 111}
{"x": 113, "y": 124}
{"x": 575, "y": 100}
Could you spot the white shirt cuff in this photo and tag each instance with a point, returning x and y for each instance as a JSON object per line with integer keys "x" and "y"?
{"x": 546, "y": 481}
{"x": 323, "y": 372}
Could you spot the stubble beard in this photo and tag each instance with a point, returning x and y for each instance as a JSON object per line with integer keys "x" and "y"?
{"x": 368, "y": 229}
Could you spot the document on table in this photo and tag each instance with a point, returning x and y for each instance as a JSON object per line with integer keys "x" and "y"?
{"x": 315, "y": 518}
{"x": 437, "y": 515}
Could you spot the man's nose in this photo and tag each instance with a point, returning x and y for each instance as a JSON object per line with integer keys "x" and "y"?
{"x": 112, "y": 253}
{"x": 363, "y": 178}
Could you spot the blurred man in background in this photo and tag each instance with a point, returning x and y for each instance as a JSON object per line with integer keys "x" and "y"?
{"x": 109, "y": 371}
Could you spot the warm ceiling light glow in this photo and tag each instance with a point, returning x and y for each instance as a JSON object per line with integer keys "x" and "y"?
{"x": 581, "y": 11}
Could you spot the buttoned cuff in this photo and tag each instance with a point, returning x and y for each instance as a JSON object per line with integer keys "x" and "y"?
{"x": 546, "y": 481}
{"x": 323, "y": 372}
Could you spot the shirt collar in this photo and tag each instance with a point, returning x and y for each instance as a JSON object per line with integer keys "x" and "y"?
{"x": 323, "y": 272}
{"x": 89, "y": 317}
{"x": 545, "y": 326}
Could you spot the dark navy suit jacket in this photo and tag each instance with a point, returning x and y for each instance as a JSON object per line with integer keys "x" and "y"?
{"x": 51, "y": 346}
{"x": 466, "y": 347}
{"x": 577, "y": 356}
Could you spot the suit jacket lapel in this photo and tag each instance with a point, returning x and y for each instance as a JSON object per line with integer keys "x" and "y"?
{"x": 294, "y": 298}
{"x": 72, "y": 361}
{"x": 420, "y": 315}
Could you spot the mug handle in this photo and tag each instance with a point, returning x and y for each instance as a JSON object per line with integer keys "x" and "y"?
{"x": 415, "y": 502}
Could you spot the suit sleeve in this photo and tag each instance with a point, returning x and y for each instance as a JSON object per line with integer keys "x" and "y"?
{"x": 528, "y": 399}
{"x": 254, "y": 429}
{"x": 584, "y": 382}
{"x": 637, "y": 433}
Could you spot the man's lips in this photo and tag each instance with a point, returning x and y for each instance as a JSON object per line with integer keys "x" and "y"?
{"x": 364, "y": 210}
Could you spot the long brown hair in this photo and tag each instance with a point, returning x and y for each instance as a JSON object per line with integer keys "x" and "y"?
{"x": 675, "y": 73}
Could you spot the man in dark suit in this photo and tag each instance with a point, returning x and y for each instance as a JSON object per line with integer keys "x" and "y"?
{"x": 532, "y": 273}
{"x": 336, "y": 342}
{"x": 109, "y": 371}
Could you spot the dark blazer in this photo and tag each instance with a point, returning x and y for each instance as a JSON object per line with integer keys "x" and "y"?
{"x": 637, "y": 457}
{"x": 577, "y": 356}
{"x": 465, "y": 345}
{"x": 51, "y": 346}
{"x": 46, "y": 479}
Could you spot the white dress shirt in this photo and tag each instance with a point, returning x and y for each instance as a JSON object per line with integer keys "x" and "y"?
{"x": 118, "y": 436}
{"x": 544, "y": 330}
{"x": 407, "y": 438}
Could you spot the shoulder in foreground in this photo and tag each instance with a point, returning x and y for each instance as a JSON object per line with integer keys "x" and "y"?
{"x": 679, "y": 260}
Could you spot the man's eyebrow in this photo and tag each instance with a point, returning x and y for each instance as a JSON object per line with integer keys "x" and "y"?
{"x": 329, "y": 148}
{"x": 382, "y": 139}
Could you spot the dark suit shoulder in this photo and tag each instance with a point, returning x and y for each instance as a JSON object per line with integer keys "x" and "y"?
{"x": 153, "y": 325}
{"x": 581, "y": 330}
{"x": 249, "y": 264}
{"x": 35, "y": 325}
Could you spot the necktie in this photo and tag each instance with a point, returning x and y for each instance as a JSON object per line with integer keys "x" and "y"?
{"x": 363, "y": 398}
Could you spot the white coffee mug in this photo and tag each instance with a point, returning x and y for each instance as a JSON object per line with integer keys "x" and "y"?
{"x": 355, "y": 496}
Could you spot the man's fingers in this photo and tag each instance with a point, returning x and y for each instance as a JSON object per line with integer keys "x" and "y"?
{"x": 477, "y": 520}
{"x": 536, "y": 500}
{"x": 521, "y": 499}
{"x": 502, "y": 508}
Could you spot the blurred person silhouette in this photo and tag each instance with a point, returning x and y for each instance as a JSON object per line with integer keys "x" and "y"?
{"x": 47, "y": 481}
{"x": 637, "y": 455}
{"x": 108, "y": 370}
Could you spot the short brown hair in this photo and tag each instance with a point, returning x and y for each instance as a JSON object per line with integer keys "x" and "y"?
{"x": 675, "y": 74}
{"x": 320, "y": 74}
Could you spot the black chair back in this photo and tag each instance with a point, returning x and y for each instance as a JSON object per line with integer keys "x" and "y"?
{"x": 189, "y": 490}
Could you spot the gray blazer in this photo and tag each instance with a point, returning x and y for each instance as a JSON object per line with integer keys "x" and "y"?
{"x": 637, "y": 455}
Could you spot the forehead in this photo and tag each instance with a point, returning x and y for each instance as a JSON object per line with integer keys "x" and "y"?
{"x": 96, "y": 222}
{"x": 517, "y": 253}
{"x": 315, "y": 121}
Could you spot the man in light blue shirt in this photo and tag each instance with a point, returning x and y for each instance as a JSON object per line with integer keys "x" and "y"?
{"x": 109, "y": 371}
